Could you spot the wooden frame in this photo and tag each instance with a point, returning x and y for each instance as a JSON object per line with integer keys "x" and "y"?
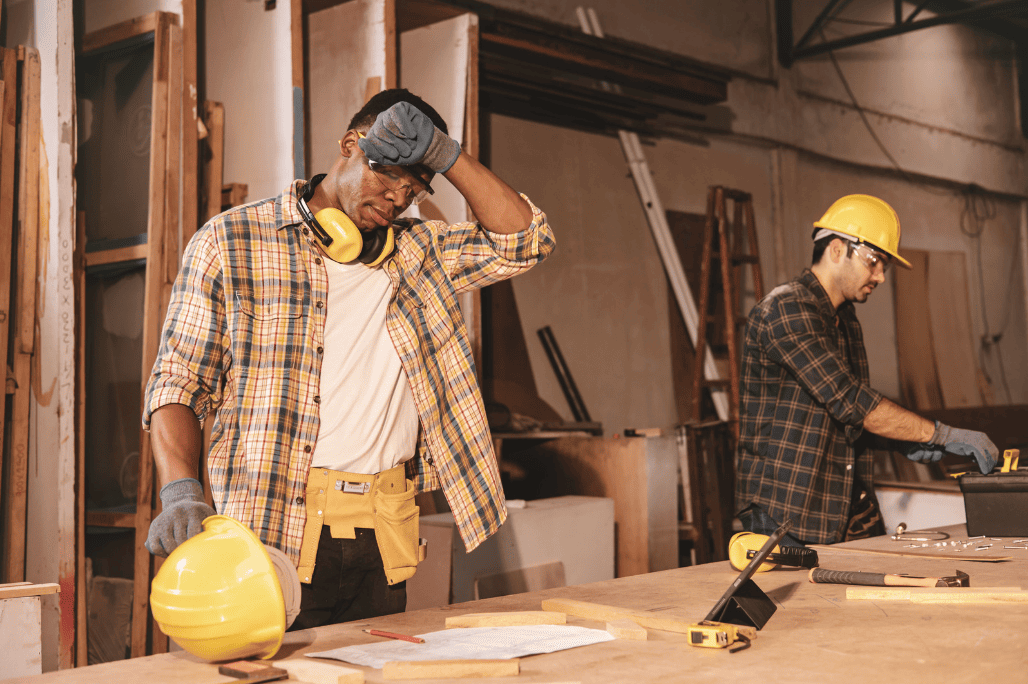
{"x": 22, "y": 302}
{"x": 170, "y": 107}
{"x": 8, "y": 137}
{"x": 214, "y": 175}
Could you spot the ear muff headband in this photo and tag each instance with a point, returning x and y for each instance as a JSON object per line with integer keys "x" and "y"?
{"x": 339, "y": 237}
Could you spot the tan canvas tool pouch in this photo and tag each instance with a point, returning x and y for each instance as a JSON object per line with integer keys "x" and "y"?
{"x": 382, "y": 502}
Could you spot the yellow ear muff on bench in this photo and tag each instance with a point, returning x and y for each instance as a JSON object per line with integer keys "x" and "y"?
{"x": 743, "y": 542}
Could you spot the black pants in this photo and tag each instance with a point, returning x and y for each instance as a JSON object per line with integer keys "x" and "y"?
{"x": 348, "y": 583}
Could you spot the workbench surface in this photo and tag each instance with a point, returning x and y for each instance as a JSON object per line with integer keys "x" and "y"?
{"x": 815, "y": 636}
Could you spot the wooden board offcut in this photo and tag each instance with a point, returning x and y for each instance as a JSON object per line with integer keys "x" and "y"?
{"x": 919, "y": 379}
{"x": 607, "y": 614}
{"x": 515, "y": 618}
{"x": 960, "y": 378}
{"x": 315, "y": 672}
{"x": 452, "y": 669}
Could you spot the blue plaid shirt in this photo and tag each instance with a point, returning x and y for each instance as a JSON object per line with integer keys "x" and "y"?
{"x": 804, "y": 395}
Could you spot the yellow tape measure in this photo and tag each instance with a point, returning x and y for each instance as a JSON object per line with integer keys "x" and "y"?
{"x": 710, "y": 634}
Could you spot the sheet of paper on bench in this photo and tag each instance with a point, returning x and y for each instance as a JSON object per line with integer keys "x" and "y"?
{"x": 471, "y": 643}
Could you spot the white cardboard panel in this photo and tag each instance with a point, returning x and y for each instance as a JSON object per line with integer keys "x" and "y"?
{"x": 434, "y": 66}
{"x": 20, "y": 625}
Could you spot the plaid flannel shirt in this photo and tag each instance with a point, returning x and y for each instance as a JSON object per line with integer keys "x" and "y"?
{"x": 244, "y": 334}
{"x": 804, "y": 395}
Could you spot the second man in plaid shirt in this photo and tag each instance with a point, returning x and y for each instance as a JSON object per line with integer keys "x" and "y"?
{"x": 805, "y": 402}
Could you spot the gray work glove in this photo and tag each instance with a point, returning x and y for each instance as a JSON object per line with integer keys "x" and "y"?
{"x": 403, "y": 135}
{"x": 967, "y": 443}
{"x": 184, "y": 510}
{"x": 926, "y": 453}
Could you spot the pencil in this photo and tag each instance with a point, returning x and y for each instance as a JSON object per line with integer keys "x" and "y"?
{"x": 394, "y": 635}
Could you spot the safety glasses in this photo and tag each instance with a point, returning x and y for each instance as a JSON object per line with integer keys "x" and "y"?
{"x": 416, "y": 190}
{"x": 870, "y": 257}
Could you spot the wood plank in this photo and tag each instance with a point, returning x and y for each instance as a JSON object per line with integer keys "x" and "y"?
{"x": 507, "y": 619}
{"x": 154, "y": 282}
{"x": 470, "y": 144}
{"x": 627, "y": 629}
{"x": 214, "y": 115}
{"x": 116, "y": 255}
{"x": 955, "y": 346}
{"x": 108, "y": 519}
{"x": 315, "y": 672}
{"x": 950, "y": 595}
{"x": 8, "y": 143}
{"x": 190, "y": 125}
{"x": 548, "y": 51}
{"x": 133, "y": 28}
{"x": 81, "y": 587}
{"x": 915, "y": 348}
{"x": 604, "y": 613}
{"x": 22, "y": 301}
{"x": 20, "y": 590}
{"x": 454, "y": 669}
{"x": 173, "y": 167}
{"x": 392, "y": 44}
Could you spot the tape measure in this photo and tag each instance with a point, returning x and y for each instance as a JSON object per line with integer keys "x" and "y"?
{"x": 709, "y": 634}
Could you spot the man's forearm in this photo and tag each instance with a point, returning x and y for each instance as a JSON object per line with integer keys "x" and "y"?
{"x": 496, "y": 205}
{"x": 176, "y": 440}
{"x": 891, "y": 420}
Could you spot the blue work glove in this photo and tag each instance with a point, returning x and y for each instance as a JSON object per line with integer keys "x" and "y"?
{"x": 967, "y": 443}
{"x": 184, "y": 510}
{"x": 926, "y": 453}
{"x": 403, "y": 135}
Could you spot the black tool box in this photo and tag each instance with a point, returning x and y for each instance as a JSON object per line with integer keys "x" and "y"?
{"x": 996, "y": 504}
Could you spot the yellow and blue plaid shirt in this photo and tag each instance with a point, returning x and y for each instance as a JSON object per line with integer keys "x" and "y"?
{"x": 244, "y": 335}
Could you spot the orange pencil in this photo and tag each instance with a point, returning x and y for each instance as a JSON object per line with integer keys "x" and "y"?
{"x": 394, "y": 635}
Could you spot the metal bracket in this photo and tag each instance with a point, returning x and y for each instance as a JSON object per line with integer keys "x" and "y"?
{"x": 788, "y": 52}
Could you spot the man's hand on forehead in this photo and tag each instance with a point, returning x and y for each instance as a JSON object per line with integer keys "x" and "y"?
{"x": 403, "y": 135}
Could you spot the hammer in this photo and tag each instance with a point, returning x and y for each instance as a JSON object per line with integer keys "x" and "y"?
{"x": 874, "y": 579}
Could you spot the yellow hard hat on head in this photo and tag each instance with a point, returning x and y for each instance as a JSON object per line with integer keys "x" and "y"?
{"x": 218, "y": 594}
{"x": 868, "y": 219}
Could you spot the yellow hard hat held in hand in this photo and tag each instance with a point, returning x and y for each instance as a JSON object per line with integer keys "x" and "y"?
{"x": 223, "y": 595}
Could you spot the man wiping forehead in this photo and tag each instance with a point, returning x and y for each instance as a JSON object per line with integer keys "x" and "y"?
{"x": 330, "y": 340}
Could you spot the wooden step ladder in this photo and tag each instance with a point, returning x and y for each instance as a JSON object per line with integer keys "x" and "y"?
{"x": 708, "y": 447}
{"x": 731, "y": 241}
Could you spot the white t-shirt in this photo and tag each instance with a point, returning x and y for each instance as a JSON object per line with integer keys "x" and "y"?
{"x": 369, "y": 422}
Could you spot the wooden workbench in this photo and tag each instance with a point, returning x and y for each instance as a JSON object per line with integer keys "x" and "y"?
{"x": 815, "y": 636}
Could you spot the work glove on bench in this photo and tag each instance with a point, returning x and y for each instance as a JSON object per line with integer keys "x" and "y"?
{"x": 404, "y": 135}
{"x": 183, "y": 512}
{"x": 967, "y": 443}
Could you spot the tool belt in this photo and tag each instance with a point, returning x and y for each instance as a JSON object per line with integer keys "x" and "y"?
{"x": 383, "y": 502}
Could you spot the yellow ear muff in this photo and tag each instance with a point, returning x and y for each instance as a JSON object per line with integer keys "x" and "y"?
{"x": 743, "y": 542}
{"x": 346, "y": 237}
{"x": 387, "y": 248}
